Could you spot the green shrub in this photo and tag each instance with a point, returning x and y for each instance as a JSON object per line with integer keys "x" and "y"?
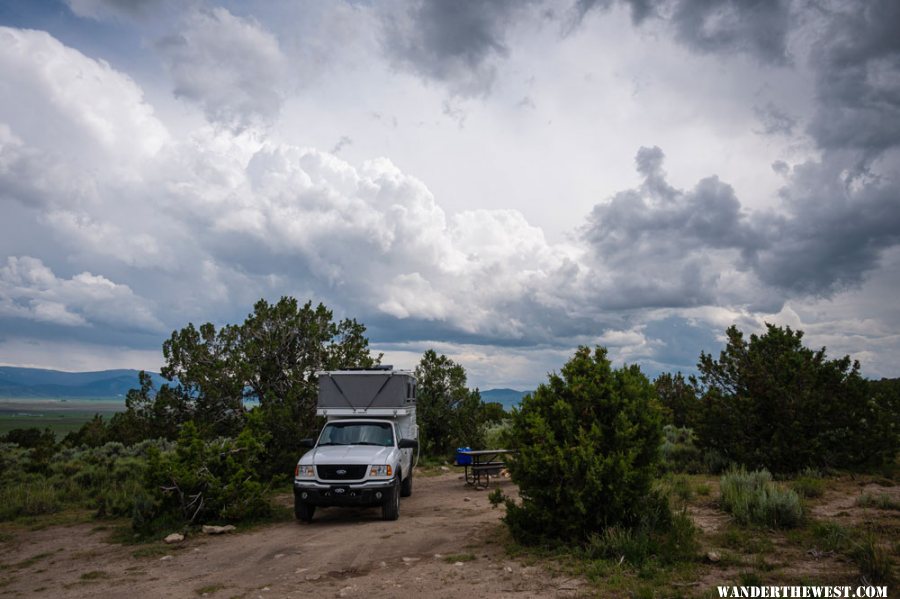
{"x": 32, "y": 498}
{"x": 588, "y": 450}
{"x": 497, "y": 435}
{"x": 770, "y": 402}
{"x": 204, "y": 481}
{"x": 679, "y": 452}
{"x": 752, "y": 498}
{"x": 808, "y": 486}
{"x": 714, "y": 462}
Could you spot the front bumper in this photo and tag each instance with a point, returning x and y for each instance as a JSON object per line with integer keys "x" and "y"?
{"x": 327, "y": 494}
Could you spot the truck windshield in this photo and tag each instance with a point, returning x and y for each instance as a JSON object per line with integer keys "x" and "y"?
{"x": 357, "y": 433}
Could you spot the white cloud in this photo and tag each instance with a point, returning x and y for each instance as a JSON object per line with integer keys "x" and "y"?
{"x": 231, "y": 66}
{"x": 58, "y": 99}
{"x": 30, "y": 290}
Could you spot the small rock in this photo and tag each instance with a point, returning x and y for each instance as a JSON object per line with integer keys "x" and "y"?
{"x": 165, "y": 558}
{"x": 300, "y": 570}
{"x": 217, "y": 530}
{"x": 346, "y": 591}
{"x": 312, "y": 577}
{"x": 438, "y": 556}
{"x": 445, "y": 469}
{"x": 382, "y": 564}
{"x": 175, "y": 537}
{"x": 410, "y": 560}
{"x": 458, "y": 564}
{"x": 508, "y": 569}
{"x": 278, "y": 556}
{"x": 467, "y": 499}
{"x": 713, "y": 556}
{"x": 265, "y": 589}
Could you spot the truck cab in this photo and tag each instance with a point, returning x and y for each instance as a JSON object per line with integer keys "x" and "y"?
{"x": 365, "y": 453}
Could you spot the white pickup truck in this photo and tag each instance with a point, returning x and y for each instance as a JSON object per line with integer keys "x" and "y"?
{"x": 364, "y": 454}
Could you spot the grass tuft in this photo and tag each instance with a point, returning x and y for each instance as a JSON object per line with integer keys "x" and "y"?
{"x": 459, "y": 557}
{"x": 881, "y": 501}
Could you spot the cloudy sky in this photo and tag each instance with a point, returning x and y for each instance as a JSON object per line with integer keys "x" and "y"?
{"x": 502, "y": 181}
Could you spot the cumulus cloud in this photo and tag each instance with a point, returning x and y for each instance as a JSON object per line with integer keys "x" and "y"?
{"x": 231, "y": 66}
{"x": 78, "y": 106}
{"x": 30, "y": 290}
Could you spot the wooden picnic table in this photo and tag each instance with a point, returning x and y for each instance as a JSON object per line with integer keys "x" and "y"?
{"x": 485, "y": 463}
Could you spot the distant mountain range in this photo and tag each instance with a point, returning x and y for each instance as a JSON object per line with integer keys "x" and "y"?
{"x": 38, "y": 383}
{"x": 510, "y": 398}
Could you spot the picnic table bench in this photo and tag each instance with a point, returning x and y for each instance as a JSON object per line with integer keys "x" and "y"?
{"x": 484, "y": 464}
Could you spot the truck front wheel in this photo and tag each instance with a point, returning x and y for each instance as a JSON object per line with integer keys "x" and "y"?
{"x": 303, "y": 511}
{"x": 390, "y": 509}
{"x": 406, "y": 486}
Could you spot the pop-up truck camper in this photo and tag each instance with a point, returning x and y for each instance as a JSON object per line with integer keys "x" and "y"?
{"x": 365, "y": 452}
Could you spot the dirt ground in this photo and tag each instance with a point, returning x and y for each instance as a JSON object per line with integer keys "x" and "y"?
{"x": 445, "y": 544}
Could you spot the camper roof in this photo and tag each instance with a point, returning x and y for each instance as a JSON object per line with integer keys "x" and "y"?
{"x": 388, "y": 369}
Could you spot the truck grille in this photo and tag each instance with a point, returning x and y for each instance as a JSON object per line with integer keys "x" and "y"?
{"x": 352, "y": 472}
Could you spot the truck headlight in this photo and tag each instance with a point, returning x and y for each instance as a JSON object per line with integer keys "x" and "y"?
{"x": 304, "y": 471}
{"x": 381, "y": 471}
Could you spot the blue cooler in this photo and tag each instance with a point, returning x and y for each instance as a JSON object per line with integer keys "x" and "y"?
{"x": 463, "y": 460}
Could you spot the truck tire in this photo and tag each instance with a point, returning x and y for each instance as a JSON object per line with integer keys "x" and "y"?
{"x": 390, "y": 509}
{"x": 303, "y": 511}
{"x": 406, "y": 486}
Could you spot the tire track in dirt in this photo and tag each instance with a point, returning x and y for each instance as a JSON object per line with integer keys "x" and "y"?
{"x": 343, "y": 552}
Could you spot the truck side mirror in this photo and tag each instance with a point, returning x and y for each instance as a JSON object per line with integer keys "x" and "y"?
{"x": 408, "y": 444}
{"x": 307, "y": 443}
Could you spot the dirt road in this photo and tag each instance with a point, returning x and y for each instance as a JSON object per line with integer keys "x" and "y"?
{"x": 444, "y": 545}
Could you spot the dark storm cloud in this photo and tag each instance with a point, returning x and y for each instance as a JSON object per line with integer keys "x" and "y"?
{"x": 755, "y": 27}
{"x": 838, "y": 224}
{"x": 453, "y": 42}
{"x": 640, "y": 9}
{"x": 659, "y": 219}
{"x": 857, "y": 66}
{"x": 664, "y": 247}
